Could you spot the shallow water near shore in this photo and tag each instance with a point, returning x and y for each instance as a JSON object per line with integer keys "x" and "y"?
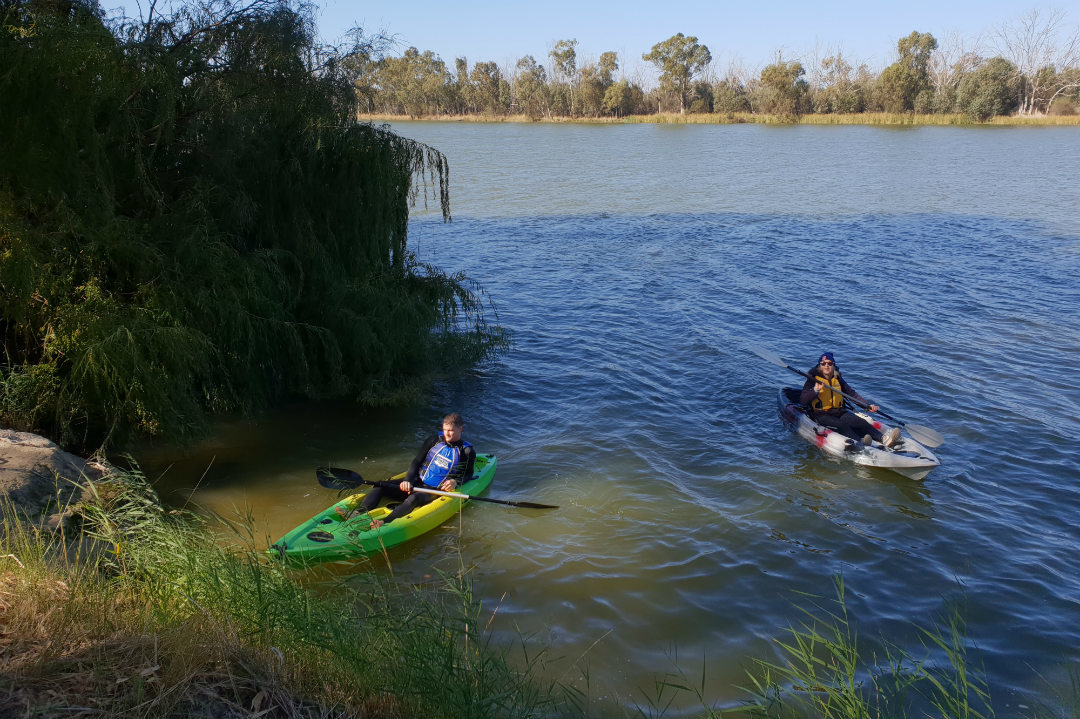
{"x": 635, "y": 267}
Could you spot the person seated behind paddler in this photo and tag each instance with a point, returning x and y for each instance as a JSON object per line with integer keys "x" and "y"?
{"x": 821, "y": 393}
{"x": 444, "y": 462}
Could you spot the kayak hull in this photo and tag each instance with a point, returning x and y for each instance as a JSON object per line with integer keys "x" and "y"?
{"x": 908, "y": 457}
{"x": 330, "y": 536}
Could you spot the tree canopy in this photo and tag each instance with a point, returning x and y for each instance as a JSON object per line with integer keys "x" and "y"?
{"x": 679, "y": 59}
{"x": 924, "y": 78}
{"x": 192, "y": 221}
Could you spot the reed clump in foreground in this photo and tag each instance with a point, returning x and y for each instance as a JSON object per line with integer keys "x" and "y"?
{"x": 823, "y": 668}
{"x": 146, "y": 615}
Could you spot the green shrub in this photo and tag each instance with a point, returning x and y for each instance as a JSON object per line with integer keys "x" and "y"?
{"x": 192, "y": 222}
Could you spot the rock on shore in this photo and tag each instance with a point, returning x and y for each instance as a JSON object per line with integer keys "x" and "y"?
{"x": 40, "y": 480}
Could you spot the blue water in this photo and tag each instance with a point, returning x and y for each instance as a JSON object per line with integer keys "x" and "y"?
{"x": 636, "y": 266}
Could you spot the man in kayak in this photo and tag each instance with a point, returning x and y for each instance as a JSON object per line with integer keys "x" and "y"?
{"x": 822, "y": 394}
{"x": 444, "y": 462}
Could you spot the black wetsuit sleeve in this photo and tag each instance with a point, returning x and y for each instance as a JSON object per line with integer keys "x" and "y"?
{"x": 468, "y": 460}
{"x": 808, "y": 394}
{"x": 413, "y": 475}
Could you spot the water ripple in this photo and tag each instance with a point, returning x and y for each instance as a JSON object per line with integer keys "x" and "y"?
{"x": 634, "y": 287}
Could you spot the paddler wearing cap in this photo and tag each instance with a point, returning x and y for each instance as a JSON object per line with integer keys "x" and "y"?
{"x": 822, "y": 394}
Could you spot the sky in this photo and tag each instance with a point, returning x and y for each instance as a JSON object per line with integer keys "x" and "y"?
{"x": 748, "y": 33}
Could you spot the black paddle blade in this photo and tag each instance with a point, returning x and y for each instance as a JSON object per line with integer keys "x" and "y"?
{"x": 339, "y": 478}
{"x": 528, "y": 505}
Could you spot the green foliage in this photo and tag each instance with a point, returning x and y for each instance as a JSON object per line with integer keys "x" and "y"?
{"x": 570, "y": 89}
{"x": 825, "y": 672}
{"x": 486, "y": 89}
{"x": 840, "y": 91}
{"x": 564, "y": 73}
{"x": 730, "y": 96}
{"x": 415, "y": 84}
{"x": 679, "y": 59}
{"x": 783, "y": 90}
{"x": 904, "y": 86}
{"x": 992, "y": 89}
{"x": 618, "y": 99}
{"x": 192, "y": 222}
{"x": 701, "y": 98}
{"x": 531, "y": 88}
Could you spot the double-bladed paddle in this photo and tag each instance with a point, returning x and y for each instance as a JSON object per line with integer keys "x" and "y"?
{"x": 922, "y": 434}
{"x": 340, "y": 478}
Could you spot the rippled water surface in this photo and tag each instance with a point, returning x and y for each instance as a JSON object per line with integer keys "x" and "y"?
{"x": 635, "y": 266}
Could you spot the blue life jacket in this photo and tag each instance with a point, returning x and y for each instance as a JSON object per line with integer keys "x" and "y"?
{"x": 442, "y": 462}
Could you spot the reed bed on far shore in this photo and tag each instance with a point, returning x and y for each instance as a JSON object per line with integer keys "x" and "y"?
{"x": 738, "y": 118}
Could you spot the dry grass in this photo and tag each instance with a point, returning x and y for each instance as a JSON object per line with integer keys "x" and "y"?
{"x": 91, "y": 651}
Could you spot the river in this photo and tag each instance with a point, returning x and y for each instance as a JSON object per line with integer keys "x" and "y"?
{"x": 636, "y": 266}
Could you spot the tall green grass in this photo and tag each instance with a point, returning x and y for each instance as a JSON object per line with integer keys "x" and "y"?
{"x": 824, "y": 669}
{"x": 193, "y": 222}
{"x": 153, "y": 618}
{"x": 825, "y": 672}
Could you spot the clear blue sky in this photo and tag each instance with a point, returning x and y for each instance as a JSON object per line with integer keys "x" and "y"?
{"x": 747, "y": 31}
{"x": 865, "y": 30}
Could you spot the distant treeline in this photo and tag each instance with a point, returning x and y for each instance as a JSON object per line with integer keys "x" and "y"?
{"x": 193, "y": 222}
{"x": 1039, "y": 73}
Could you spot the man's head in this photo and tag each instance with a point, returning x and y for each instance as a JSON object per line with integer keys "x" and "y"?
{"x": 452, "y": 425}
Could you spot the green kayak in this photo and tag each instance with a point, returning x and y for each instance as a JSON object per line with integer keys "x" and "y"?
{"x": 330, "y": 536}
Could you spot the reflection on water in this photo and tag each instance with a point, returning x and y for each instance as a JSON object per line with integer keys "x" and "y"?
{"x": 634, "y": 268}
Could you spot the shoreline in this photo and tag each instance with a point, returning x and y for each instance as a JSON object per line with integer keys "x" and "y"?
{"x": 871, "y": 119}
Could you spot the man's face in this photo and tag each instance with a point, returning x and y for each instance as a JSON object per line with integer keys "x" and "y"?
{"x": 451, "y": 432}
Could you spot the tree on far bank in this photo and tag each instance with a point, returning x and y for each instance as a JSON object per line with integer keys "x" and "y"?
{"x": 595, "y": 79}
{"x": 564, "y": 67}
{"x": 837, "y": 90}
{"x": 783, "y": 90}
{"x": 1066, "y": 99}
{"x": 1041, "y": 46}
{"x": 486, "y": 88}
{"x": 904, "y": 86}
{"x": 531, "y": 88}
{"x": 989, "y": 91}
{"x": 624, "y": 98}
{"x": 950, "y": 63}
{"x": 679, "y": 59}
{"x": 461, "y": 85}
{"x": 416, "y": 84}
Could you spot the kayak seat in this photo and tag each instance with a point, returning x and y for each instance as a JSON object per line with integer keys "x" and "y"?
{"x": 793, "y": 395}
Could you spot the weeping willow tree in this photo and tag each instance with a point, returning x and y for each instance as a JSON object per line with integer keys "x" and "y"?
{"x": 192, "y": 222}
